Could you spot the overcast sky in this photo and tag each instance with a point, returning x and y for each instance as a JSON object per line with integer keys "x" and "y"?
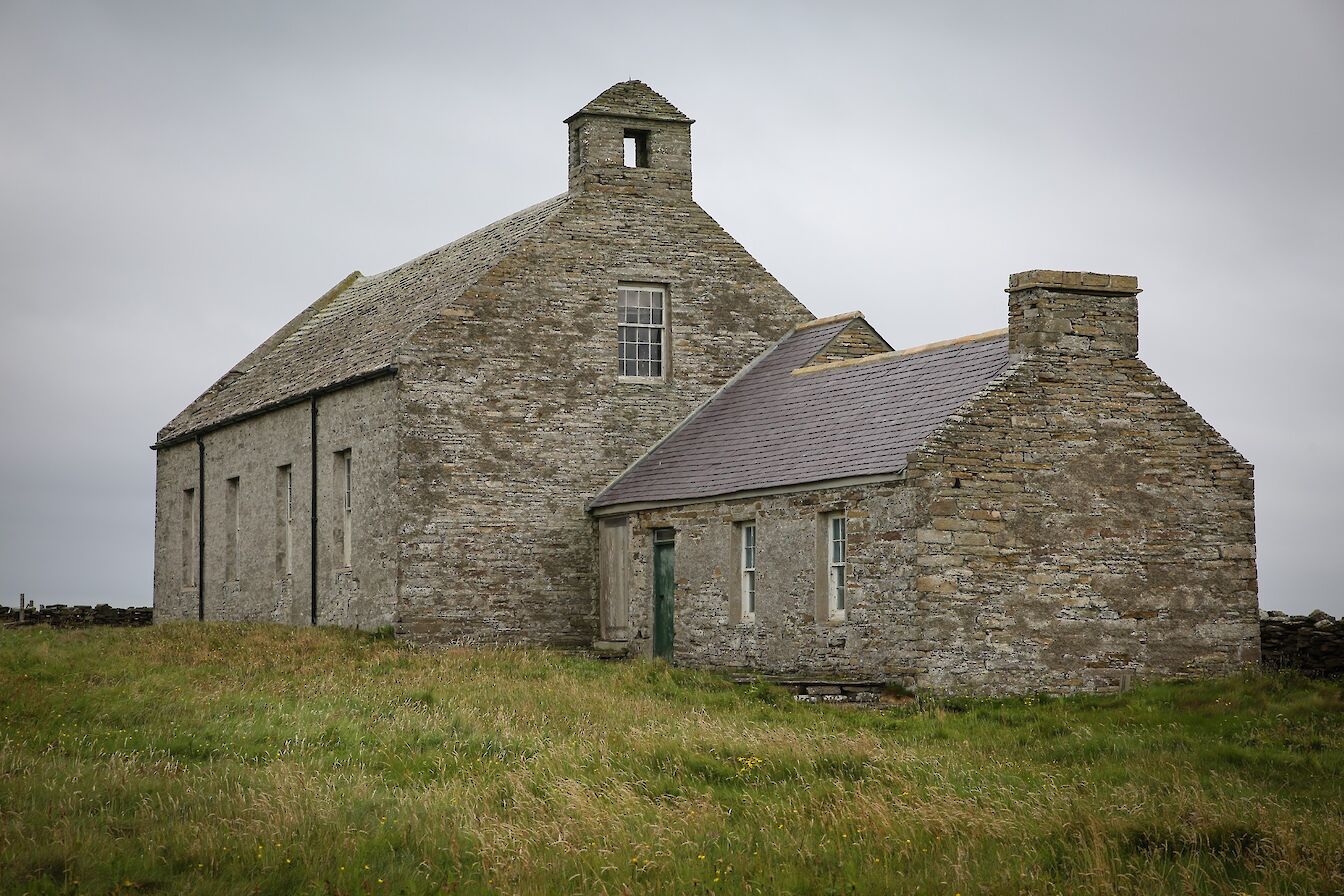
{"x": 179, "y": 179}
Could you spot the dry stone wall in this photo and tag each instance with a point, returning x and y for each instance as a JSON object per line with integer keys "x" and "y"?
{"x": 64, "y": 616}
{"x": 1312, "y": 644}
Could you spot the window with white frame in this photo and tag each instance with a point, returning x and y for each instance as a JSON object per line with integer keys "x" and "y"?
{"x": 748, "y": 538}
{"x": 835, "y": 573}
{"x": 641, "y": 311}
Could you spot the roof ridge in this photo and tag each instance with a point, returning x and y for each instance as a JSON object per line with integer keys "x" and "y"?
{"x": 900, "y": 352}
{"x": 823, "y": 321}
{"x": 947, "y": 343}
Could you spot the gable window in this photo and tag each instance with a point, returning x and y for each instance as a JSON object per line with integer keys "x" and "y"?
{"x": 835, "y": 569}
{"x": 641, "y": 311}
{"x": 748, "y": 539}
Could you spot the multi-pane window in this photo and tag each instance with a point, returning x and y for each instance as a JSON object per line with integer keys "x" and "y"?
{"x": 642, "y": 330}
{"x": 835, "y": 528}
{"x": 748, "y": 572}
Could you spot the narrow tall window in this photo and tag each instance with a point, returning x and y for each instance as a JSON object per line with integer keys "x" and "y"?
{"x": 642, "y": 330}
{"x": 836, "y": 565}
{"x": 189, "y": 536}
{"x": 232, "y": 531}
{"x": 284, "y": 518}
{"x": 748, "y": 572}
{"x": 345, "y": 485}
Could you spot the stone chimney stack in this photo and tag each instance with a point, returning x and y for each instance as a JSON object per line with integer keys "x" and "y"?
{"x": 631, "y": 140}
{"x": 1073, "y": 313}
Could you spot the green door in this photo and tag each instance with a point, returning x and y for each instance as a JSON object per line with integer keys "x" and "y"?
{"x": 664, "y": 584}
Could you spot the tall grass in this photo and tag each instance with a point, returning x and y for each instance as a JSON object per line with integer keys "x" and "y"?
{"x": 254, "y": 759}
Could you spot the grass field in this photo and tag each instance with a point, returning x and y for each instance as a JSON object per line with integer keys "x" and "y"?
{"x": 252, "y": 759}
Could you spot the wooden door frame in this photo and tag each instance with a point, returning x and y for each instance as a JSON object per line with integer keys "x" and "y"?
{"x": 665, "y": 544}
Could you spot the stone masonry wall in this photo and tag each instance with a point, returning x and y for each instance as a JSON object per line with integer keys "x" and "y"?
{"x": 875, "y": 640}
{"x": 1084, "y": 525}
{"x": 513, "y": 417}
{"x": 359, "y": 418}
{"x": 858, "y": 340}
{"x": 175, "y": 595}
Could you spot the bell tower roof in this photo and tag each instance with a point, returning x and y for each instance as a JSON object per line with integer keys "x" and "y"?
{"x": 632, "y": 99}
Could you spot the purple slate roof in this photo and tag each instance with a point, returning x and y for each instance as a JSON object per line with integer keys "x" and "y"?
{"x": 771, "y": 427}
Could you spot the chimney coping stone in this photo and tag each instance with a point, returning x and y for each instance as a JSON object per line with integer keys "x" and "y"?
{"x": 1074, "y": 281}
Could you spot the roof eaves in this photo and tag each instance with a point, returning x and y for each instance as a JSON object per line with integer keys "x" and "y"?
{"x": 633, "y": 115}
{"x": 189, "y": 434}
{"x": 787, "y": 488}
{"x": 280, "y": 335}
{"x": 252, "y": 358}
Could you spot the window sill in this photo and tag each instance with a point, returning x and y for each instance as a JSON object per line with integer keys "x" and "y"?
{"x": 643, "y": 380}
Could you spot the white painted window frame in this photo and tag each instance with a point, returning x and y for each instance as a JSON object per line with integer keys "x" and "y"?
{"x": 656, "y": 327}
{"x": 747, "y": 563}
{"x": 837, "y": 559}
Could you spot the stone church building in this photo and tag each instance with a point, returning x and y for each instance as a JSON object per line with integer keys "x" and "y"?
{"x": 600, "y": 423}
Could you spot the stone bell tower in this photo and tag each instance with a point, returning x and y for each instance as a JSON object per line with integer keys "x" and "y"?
{"x": 630, "y": 139}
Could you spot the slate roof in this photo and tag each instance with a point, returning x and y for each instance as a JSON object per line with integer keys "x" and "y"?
{"x": 771, "y": 427}
{"x": 357, "y": 329}
{"x": 632, "y": 99}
